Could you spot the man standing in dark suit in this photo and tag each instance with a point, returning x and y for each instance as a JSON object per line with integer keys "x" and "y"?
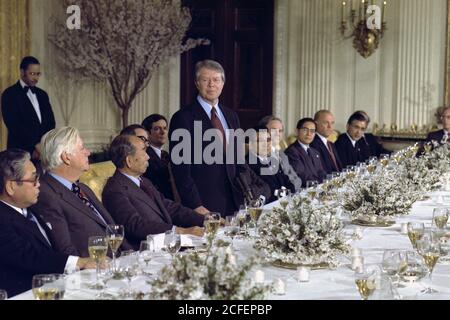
{"x": 70, "y": 208}
{"x": 204, "y": 186}
{"x": 441, "y": 136}
{"x": 26, "y": 242}
{"x": 134, "y": 202}
{"x": 158, "y": 171}
{"x": 350, "y": 145}
{"x": 325, "y": 127}
{"x": 305, "y": 160}
{"x": 26, "y": 110}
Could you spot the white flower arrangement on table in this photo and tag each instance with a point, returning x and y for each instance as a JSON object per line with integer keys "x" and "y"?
{"x": 302, "y": 234}
{"x": 384, "y": 194}
{"x": 211, "y": 275}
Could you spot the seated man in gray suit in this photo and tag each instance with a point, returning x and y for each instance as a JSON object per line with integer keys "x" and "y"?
{"x": 133, "y": 200}
{"x": 70, "y": 208}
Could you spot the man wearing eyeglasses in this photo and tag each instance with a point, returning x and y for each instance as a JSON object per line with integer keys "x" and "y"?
{"x": 27, "y": 245}
{"x": 305, "y": 160}
{"x": 441, "y": 136}
{"x": 26, "y": 110}
{"x": 351, "y": 146}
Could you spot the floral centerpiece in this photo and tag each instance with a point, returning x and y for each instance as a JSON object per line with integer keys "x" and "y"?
{"x": 302, "y": 233}
{"x": 211, "y": 275}
{"x": 383, "y": 195}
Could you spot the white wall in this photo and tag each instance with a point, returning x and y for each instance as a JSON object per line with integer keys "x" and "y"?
{"x": 401, "y": 83}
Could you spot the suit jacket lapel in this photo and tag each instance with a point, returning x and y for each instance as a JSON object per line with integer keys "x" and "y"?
{"x": 72, "y": 199}
{"x": 306, "y": 158}
{"x": 139, "y": 194}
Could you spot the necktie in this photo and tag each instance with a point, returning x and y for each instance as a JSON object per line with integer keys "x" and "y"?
{"x": 26, "y": 88}
{"x": 76, "y": 189}
{"x": 165, "y": 156}
{"x": 30, "y": 217}
{"x": 148, "y": 191}
{"x": 310, "y": 154}
{"x": 333, "y": 157}
{"x": 215, "y": 121}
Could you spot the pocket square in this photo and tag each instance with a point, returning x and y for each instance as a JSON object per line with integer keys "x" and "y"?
{"x": 49, "y": 225}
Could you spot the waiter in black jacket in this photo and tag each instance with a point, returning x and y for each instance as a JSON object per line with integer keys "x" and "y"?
{"x": 26, "y": 110}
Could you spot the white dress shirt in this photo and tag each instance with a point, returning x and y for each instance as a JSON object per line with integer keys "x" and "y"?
{"x": 351, "y": 140}
{"x": 34, "y": 101}
{"x": 71, "y": 263}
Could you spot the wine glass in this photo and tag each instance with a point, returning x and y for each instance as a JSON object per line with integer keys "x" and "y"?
{"x": 114, "y": 235}
{"x": 44, "y": 287}
{"x": 255, "y": 210}
{"x": 311, "y": 189}
{"x": 365, "y": 280}
{"x": 3, "y": 294}
{"x": 97, "y": 247}
{"x": 284, "y": 196}
{"x": 391, "y": 263}
{"x": 128, "y": 267}
{"x": 430, "y": 251}
{"x": 416, "y": 231}
{"x": 172, "y": 242}
{"x": 241, "y": 217}
{"x": 212, "y": 223}
{"x": 440, "y": 218}
{"x": 146, "y": 250}
{"x": 232, "y": 227}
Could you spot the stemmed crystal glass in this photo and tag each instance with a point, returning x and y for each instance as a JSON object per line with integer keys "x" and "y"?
{"x": 416, "y": 231}
{"x": 255, "y": 210}
{"x": 172, "y": 241}
{"x": 128, "y": 267}
{"x": 232, "y": 227}
{"x": 430, "y": 251}
{"x": 311, "y": 189}
{"x": 391, "y": 263}
{"x": 365, "y": 280}
{"x": 114, "y": 235}
{"x": 44, "y": 287}
{"x": 440, "y": 218}
{"x": 284, "y": 196}
{"x": 97, "y": 247}
{"x": 212, "y": 223}
{"x": 146, "y": 251}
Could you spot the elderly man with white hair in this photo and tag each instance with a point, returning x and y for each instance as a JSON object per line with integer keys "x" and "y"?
{"x": 69, "y": 208}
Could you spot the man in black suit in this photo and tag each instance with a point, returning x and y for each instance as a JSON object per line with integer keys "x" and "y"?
{"x": 376, "y": 149}
{"x": 350, "y": 145}
{"x": 158, "y": 171}
{"x": 134, "y": 202}
{"x": 205, "y": 185}
{"x": 268, "y": 168}
{"x": 305, "y": 160}
{"x": 70, "y": 208}
{"x": 26, "y": 242}
{"x": 325, "y": 127}
{"x": 26, "y": 110}
{"x": 441, "y": 136}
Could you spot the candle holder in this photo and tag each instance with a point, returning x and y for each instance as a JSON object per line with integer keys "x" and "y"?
{"x": 366, "y": 30}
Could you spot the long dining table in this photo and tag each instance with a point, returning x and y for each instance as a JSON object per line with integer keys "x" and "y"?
{"x": 323, "y": 284}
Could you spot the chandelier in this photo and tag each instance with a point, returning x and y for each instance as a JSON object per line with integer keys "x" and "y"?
{"x": 366, "y": 25}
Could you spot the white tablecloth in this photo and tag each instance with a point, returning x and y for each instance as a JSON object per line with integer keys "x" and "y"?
{"x": 323, "y": 284}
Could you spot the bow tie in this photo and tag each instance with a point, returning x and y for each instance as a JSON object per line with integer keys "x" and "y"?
{"x": 26, "y": 88}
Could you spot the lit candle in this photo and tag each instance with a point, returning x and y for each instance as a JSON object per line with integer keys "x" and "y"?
{"x": 343, "y": 11}
{"x": 356, "y": 252}
{"x": 361, "y": 10}
{"x": 303, "y": 274}
{"x": 357, "y": 262}
{"x": 404, "y": 228}
{"x": 382, "y": 12}
{"x": 279, "y": 287}
{"x": 259, "y": 276}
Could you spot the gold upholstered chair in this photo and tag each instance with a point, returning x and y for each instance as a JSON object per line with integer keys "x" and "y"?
{"x": 97, "y": 176}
